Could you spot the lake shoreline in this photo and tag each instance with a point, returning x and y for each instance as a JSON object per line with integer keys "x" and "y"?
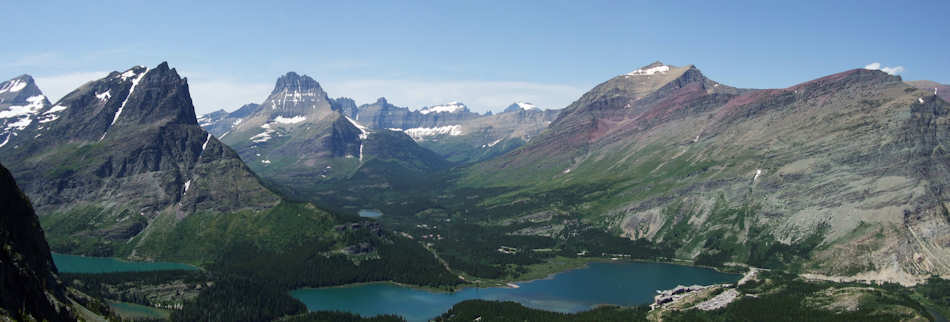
{"x": 503, "y": 283}
{"x": 587, "y": 284}
{"x": 71, "y": 263}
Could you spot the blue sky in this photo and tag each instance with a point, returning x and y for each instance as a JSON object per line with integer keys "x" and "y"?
{"x": 484, "y": 53}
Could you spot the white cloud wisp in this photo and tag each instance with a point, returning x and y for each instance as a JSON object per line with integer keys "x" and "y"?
{"x": 896, "y": 70}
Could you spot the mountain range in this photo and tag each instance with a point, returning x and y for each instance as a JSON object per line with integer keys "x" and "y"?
{"x": 841, "y": 175}
{"x": 451, "y": 130}
{"x": 120, "y": 167}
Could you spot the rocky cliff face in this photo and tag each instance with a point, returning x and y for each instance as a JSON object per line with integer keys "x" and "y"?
{"x": 804, "y": 174}
{"x": 29, "y": 286}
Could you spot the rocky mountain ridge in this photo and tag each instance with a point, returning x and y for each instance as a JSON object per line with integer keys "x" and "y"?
{"x": 770, "y": 177}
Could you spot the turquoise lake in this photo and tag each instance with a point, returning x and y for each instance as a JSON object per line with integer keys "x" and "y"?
{"x": 82, "y": 264}
{"x": 628, "y": 283}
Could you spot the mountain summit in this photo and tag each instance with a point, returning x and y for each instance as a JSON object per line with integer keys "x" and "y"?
{"x": 297, "y": 95}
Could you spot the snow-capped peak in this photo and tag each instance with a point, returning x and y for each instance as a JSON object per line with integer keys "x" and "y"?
{"x": 450, "y": 107}
{"x": 654, "y": 68}
{"x": 526, "y": 106}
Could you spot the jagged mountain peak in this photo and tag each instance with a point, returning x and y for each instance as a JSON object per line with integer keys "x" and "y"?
{"x": 295, "y": 83}
{"x": 297, "y": 95}
{"x": 16, "y": 84}
{"x": 18, "y": 89}
{"x": 120, "y": 101}
{"x": 158, "y": 94}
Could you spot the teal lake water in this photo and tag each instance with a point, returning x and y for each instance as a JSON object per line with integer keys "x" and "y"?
{"x": 132, "y": 310}
{"x": 82, "y": 264}
{"x": 370, "y": 213}
{"x": 572, "y": 291}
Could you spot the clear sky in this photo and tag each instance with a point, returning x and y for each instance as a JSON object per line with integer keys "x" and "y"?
{"x": 484, "y": 53}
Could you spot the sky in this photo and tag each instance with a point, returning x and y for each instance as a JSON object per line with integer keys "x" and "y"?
{"x": 486, "y": 54}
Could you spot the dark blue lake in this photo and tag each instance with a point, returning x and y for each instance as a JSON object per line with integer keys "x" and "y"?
{"x": 628, "y": 283}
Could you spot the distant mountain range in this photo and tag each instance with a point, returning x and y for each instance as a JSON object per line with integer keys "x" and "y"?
{"x": 450, "y": 130}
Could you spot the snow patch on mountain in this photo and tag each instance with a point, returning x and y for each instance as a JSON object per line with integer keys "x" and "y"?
{"x": 104, "y": 96}
{"x": 263, "y": 136}
{"x": 13, "y": 86}
{"x": 451, "y": 107}
{"x": 364, "y": 133}
{"x": 527, "y": 106}
{"x": 55, "y": 109}
{"x": 129, "y": 73}
{"x": 662, "y": 69}
{"x": 205, "y": 145}
{"x": 135, "y": 82}
{"x": 34, "y": 104}
{"x": 420, "y": 133}
{"x": 19, "y": 124}
{"x": 289, "y": 120}
{"x": 491, "y": 144}
{"x": 46, "y": 118}
{"x": 18, "y": 117}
